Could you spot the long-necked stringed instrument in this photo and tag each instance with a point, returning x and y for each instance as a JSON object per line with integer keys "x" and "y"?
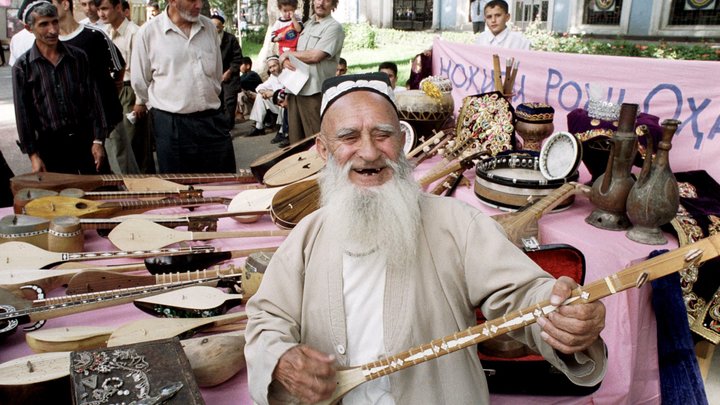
{"x": 59, "y": 181}
{"x": 294, "y": 168}
{"x": 262, "y": 164}
{"x": 523, "y": 224}
{"x": 634, "y": 276}
{"x": 55, "y": 206}
{"x": 89, "y": 281}
{"x": 135, "y": 233}
{"x": 40, "y": 310}
{"x": 20, "y": 255}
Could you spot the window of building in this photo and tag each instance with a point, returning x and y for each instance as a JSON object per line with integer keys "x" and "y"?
{"x": 695, "y": 12}
{"x": 527, "y": 11}
{"x": 412, "y": 14}
{"x": 602, "y": 12}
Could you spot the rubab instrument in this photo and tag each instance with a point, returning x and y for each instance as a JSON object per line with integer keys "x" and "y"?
{"x": 42, "y": 309}
{"x": 59, "y": 181}
{"x": 135, "y": 233}
{"x": 634, "y": 276}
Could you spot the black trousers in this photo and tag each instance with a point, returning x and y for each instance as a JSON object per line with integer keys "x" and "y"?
{"x": 67, "y": 150}
{"x": 193, "y": 143}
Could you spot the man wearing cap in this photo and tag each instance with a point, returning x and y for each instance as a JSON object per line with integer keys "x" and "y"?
{"x": 57, "y": 104}
{"x": 263, "y": 100}
{"x": 319, "y": 47}
{"x": 383, "y": 267}
{"x": 177, "y": 68}
{"x": 231, "y": 56}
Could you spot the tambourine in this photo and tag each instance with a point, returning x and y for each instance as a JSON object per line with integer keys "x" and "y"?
{"x": 511, "y": 181}
{"x": 410, "y": 137}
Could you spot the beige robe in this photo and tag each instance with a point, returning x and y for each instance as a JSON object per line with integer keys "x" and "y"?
{"x": 463, "y": 261}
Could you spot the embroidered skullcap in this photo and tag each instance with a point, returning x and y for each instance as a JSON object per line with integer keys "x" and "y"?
{"x": 539, "y": 113}
{"x": 272, "y": 57}
{"x": 278, "y": 96}
{"x": 27, "y": 7}
{"x": 338, "y": 86}
{"x": 218, "y": 17}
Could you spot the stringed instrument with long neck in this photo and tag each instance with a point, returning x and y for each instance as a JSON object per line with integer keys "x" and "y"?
{"x": 634, "y": 276}
{"x": 59, "y": 181}
{"x": 56, "y": 206}
{"x": 21, "y": 255}
{"x": 523, "y": 224}
{"x": 90, "y": 281}
{"x": 42, "y": 309}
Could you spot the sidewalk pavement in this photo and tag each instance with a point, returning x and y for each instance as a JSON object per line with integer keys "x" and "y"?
{"x": 247, "y": 149}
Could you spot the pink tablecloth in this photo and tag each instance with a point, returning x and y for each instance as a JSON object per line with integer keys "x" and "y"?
{"x": 630, "y": 331}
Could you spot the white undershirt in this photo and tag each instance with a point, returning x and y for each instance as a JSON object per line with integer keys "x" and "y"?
{"x": 363, "y": 291}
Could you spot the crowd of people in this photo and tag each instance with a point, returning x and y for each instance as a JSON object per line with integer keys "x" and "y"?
{"x": 184, "y": 99}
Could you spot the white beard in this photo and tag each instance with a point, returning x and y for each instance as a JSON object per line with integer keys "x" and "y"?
{"x": 386, "y": 217}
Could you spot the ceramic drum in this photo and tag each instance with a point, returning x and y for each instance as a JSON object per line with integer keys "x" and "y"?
{"x": 511, "y": 181}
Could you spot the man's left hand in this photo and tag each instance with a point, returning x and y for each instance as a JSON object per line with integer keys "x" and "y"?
{"x": 226, "y": 76}
{"x": 571, "y": 328}
{"x": 98, "y": 152}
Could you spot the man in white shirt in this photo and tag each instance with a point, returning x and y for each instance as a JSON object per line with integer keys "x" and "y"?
{"x": 390, "y": 69}
{"x": 20, "y": 43}
{"x": 176, "y": 67}
{"x": 498, "y": 34}
{"x": 92, "y": 19}
{"x": 263, "y": 101}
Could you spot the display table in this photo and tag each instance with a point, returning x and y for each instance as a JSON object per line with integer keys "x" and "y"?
{"x": 630, "y": 331}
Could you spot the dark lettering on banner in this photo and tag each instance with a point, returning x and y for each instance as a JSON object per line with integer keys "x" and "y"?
{"x": 694, "y": 113}
{"x": 715, "y": 128}
{"x": 570, "y": 95}
{"x": 669, "y": 87}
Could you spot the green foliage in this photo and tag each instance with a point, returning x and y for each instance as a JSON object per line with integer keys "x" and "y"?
{"x": 544, "y": 40}
{"x": 359, "y": 36}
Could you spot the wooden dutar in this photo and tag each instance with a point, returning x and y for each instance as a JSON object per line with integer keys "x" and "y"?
{"x": 634, "y": 276}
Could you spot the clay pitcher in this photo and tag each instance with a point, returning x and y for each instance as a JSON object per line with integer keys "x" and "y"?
{"x": 610, "y": 190}
{"x": 654, "y": 199}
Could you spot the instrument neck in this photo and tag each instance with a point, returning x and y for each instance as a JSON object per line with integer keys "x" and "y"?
{"x": 171, "y": 202}
{"x": 69, "y": 257}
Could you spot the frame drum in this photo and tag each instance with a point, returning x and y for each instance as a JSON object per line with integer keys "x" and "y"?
{"x": 423, "y": 112}
{"x": 511, "y": 181}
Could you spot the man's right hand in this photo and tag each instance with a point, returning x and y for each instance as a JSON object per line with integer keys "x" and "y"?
{"x": 37, "y": 164}
{"x": 140, "y": 110}
{"x": 307, "y": 374}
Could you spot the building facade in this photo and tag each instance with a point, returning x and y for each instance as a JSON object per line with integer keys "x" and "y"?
{"x": 638, "y": 18}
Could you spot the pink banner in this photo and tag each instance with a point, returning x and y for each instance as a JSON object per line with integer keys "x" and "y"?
{"x": 683, "y": 90}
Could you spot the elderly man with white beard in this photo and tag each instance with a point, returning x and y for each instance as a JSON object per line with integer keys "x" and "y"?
{"x": 383, "y": 267}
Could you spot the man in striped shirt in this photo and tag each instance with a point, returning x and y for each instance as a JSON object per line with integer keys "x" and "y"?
{"x": 57, "y": 104}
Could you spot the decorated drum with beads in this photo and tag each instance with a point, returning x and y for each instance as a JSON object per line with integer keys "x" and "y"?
{"x": 426, "y": 110}
{"x": 534, "y": 123}
{"x": 513, "y": 180}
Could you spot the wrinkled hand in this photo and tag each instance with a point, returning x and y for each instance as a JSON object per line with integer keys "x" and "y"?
{"x": 307, "y": 374}
{"x": 98, "y": 152}
{"x": 571, "y": 328}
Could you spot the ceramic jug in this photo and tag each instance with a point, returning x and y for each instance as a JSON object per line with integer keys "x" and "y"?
{"x": 653, "y": 201}
{"x": 610, "y": 190}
